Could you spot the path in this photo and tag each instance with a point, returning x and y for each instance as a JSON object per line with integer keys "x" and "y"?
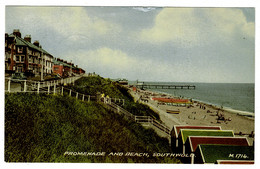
{"x": 168, "y": 120}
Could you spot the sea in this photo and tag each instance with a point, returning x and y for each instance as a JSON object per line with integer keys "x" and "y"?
{"x": 237, "y": 97}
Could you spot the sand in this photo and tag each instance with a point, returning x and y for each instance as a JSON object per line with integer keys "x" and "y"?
{"x": 197, "y": 114}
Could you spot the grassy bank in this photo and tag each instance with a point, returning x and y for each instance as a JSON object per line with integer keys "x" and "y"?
{"x": 41, "y": 128}
{"x": 93, "y": 85}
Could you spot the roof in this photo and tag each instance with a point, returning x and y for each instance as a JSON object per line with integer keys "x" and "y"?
{"x": 171, "y": 100}
{"x": 177, "y": 128}
{"x": 22, "y": 42}
{"x": 56, "y": 62}
{"x": 196, "y": 140}
{"x": 212, "y": 153}
{"x": 185, "y": 133}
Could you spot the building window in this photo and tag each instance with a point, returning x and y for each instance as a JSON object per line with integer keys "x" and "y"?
{"x": 20, "y": 49}
{"x": 19, "y": 69}
{"x": 30, "y": 59}
{"x": 17, "y": 58}
{"x": 22, "y": 58}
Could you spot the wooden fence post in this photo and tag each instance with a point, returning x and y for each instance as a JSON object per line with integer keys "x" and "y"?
{"x": 38, "y": 88}
{"x": 70, "y": 92}
{"x": 62, "y": 90}
{"x": 9, "y": 85}
{"x": 83, "y": 97}
{"x": 24, "y": 87}
{"x": 48, "y": 89}
{"x": 54, "y": 89}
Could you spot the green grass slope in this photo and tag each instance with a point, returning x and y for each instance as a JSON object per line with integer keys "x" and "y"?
{"x": 93, "y": 85}
{"x": 41, "y": 128}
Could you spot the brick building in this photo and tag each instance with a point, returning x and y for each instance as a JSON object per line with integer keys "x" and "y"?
{"x": 65, "y": 68}
{"x": 23, "y": 56}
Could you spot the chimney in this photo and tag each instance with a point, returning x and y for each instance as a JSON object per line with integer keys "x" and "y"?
{"x": 28, "y": 38}
{"x": 36, "y": 43}
{"x": 17, "y": 32}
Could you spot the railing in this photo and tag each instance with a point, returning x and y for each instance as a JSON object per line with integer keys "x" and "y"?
{"x": 56, "y": 87}
{"x": 37, "y": 86}
{"x": 144, "y": 120}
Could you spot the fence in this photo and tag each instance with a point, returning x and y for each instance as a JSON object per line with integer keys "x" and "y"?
{"x": 144, "y": 120}
{"x": 37, "y": 86}
{"x": 57, "y": 87}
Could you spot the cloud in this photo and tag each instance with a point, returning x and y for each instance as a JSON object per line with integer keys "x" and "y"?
{"x": 114, "y": 63}
{"x": 193, "y": 26}
{"x": 105, "y": 61}
{"x": 70, "y": 22}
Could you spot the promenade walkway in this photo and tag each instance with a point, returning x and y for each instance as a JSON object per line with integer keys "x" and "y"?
{"x": 168, "y": 120}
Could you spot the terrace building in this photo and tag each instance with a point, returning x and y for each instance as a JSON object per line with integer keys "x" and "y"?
{"x": 23, "y": 56}
{"x": 65, "y": 68}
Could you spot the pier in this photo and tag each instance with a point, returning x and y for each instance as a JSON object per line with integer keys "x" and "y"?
{"x": 151, "y": 86}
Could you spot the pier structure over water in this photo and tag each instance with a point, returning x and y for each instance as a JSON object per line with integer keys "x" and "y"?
{"x": 163, "y": 86}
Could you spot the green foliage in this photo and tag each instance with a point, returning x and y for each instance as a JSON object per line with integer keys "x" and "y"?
{"x": 93, "y": 85}
{"x": 41, "y": 128}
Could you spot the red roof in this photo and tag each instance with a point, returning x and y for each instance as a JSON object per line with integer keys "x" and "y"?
{"x": 236, "y": 141}
{"x": 171, "y": 100}
{"x": 177, "y": 128}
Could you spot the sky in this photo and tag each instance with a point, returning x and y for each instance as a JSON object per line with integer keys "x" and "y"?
{"x": 172, "y": 44}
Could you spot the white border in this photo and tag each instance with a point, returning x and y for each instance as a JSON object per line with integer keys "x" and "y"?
{"x": 174, "y": 3}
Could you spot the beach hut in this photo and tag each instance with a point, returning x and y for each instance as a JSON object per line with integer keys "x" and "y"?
{"x": 173, "y": 101}
{"x": 177, "y": 128}
{"x": 220, "y": 154}
{"x": 194, "y": 141}
{"x": 185, "y": 133}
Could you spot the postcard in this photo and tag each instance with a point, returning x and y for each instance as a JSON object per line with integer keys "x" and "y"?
{"x": 129, "y": 84}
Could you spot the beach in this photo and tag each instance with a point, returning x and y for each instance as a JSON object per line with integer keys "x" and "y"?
{"x": 197, "y": 113}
